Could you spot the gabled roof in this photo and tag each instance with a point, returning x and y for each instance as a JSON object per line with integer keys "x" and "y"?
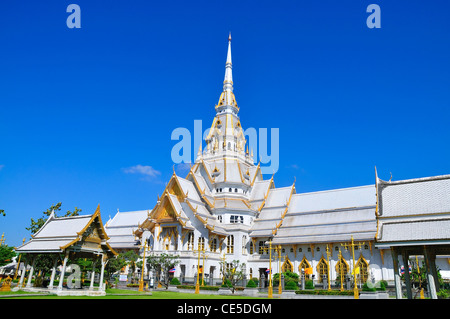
{"x": 414, "y": 211}
{"x": 329, "y": 216}
{"x": 121, "y": 228}
{"x": 58, "y": 234}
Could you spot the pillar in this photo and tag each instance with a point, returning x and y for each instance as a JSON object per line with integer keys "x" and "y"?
{"x": 63, "y": 270}
{"x": 22, "y": 275}
{"x": 398, "y": 283}
{"x": 31, "y": 272}
{"x": 430, "y": 277}
{"x": 91, "y": 286}
{"x": 52, "y": 277}
{"x": 101, "y": 285}
{"x": 405, "y": 258}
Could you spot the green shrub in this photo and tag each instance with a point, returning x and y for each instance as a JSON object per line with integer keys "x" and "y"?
{"x": 325, "y": 292}
{"x": 291, "y": 285}
{"x": 227, "y": 284}
{"x": 383, "y": 285}
{"x": 201, "y": 287}
{"x": 251, "y": 284}
{"x": 309, "y": 284}
{"x": 175, "y": 281}
{"x": 367, "y": 288}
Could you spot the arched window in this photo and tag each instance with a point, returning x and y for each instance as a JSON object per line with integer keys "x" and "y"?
{"x": 251, "y": 247}
{"x": 304, "y": 264}
{"x": 287, "y": 266}
{"x": 229, "y": 146}
{"x": 191, "y": 241}
{"x": 201, "y": 243}
{"x": 363, "y": 269}
{"x": 213, "y": 245}
{"x": 322, "y": 269}
{"x": 341, "y": 268}
{"x": 230, "y": 244}
{"x": 244, "y": 244}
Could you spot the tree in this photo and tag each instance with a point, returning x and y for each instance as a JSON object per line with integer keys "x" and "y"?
{"x": 2, "y": 212}
{"x": 162, "y": 264}
{"x": 130, "y": 258}
{"x": 44, "y": 262}
{"x": 6, "y": 254}
{"x": 233, "y": 272}
{"x": 37, "y": 224}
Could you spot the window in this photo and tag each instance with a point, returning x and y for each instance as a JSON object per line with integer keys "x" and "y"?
{"x": 234, "y": 219}
{"x": 322, "y": 269}
{"x": 251, "y": 247}
{"x": 263, "y": 248}
{"x": 244, "y": 243}
{"x": 230, "y": 244}
{"x": 201, "y": 243}
{"x": 191, "y": 241}
{"x": 318, "y": 248}
{"x": 283, "y": 250}
{"x": 291, "y": 250}
{"x": 213, "y": 245}
{"x": 235, "y": 190}
{"x": 220, "y": 218}
{"x": 363, "y": 269}
{"x": 300, "y": 250}
{"x": 341, "y": 269}
{"x": 230, "y": 190}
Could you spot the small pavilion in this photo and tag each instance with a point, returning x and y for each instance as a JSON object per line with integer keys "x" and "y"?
{"x": 75, "y": 237}
{"x": 413, "y": 218}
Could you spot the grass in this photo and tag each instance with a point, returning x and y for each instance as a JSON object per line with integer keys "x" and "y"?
{"x": 127, "y": 294}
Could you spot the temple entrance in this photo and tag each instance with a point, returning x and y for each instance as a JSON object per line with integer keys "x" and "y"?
{"x": 263, "y": 278}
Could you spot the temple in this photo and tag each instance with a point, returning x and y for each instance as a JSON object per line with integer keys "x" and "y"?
{"x": 226, "y": 208}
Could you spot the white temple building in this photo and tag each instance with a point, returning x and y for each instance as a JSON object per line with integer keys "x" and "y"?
{"x": 226, "y": 207}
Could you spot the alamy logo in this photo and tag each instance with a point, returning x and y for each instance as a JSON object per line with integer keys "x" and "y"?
{"x": 185, "y": 151}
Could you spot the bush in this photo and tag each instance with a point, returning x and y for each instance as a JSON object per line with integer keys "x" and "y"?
{"x": 201, "y": 287}
{"x": 309, "y": 284}
{"x": 175, "y": 281}
{"x": 251, "y": 284}
{"x": 227, "y": 284}
{"x": 325, "y": 292}
{"x": 383, "y": 285}
{"x": 291, "y": 285}
{"x": 367, "y": 288}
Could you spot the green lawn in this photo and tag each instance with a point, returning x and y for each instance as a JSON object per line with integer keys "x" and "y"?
{"x": 127, "y": 294}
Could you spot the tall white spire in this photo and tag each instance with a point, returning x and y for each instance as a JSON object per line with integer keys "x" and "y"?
{"x": 228, "y": 81}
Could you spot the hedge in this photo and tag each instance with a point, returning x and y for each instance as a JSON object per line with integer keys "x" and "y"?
{"x": 201, "y": 287}
{"x": 325, "y": 292}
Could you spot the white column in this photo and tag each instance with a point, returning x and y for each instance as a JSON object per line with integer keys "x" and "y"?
{"x": 22, "y": 275}
{"x": 31, "y": 272}
{"x": 63, "y": 270}
{"x": 101, "y": 285}
{"x": 52, "y": 278}
{"x": 91, "y": 286}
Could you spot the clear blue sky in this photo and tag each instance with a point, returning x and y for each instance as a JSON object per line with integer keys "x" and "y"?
{"x": 78, "y": 107}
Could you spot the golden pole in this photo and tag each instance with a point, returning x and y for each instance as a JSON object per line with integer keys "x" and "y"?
{"x": 203, "y": 267}
{"x": 197, "y": 286}
{"x": 18, "y": 262}
{"x": 223, "y": 268}
{"x": 341, "y": 269}
{"x": 141, "y": 282}
{"x": 270, "y": 292}
{"x": 280, "y": 290}
{"x": 329, "y": 271}
{"x": 2, "y": 240}
{"x": 355, "y": 288}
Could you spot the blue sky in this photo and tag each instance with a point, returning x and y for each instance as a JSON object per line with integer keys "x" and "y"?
{"x": 81, "y": 109}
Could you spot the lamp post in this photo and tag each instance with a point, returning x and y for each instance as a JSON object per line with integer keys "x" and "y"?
{"x": 203, "y": 267}
{"x": 352, "y": 245}
{"x": 341, "y": 269}
{"x": 223, "y": 268}
{"x": 141, "y": 281}
{"x": 329, "y": 270}
{"x": 197, "y": 286}
{"x": 270, "y": 292}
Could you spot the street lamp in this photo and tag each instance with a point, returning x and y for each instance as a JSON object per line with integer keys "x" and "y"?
{"x": 352, "y": 245}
